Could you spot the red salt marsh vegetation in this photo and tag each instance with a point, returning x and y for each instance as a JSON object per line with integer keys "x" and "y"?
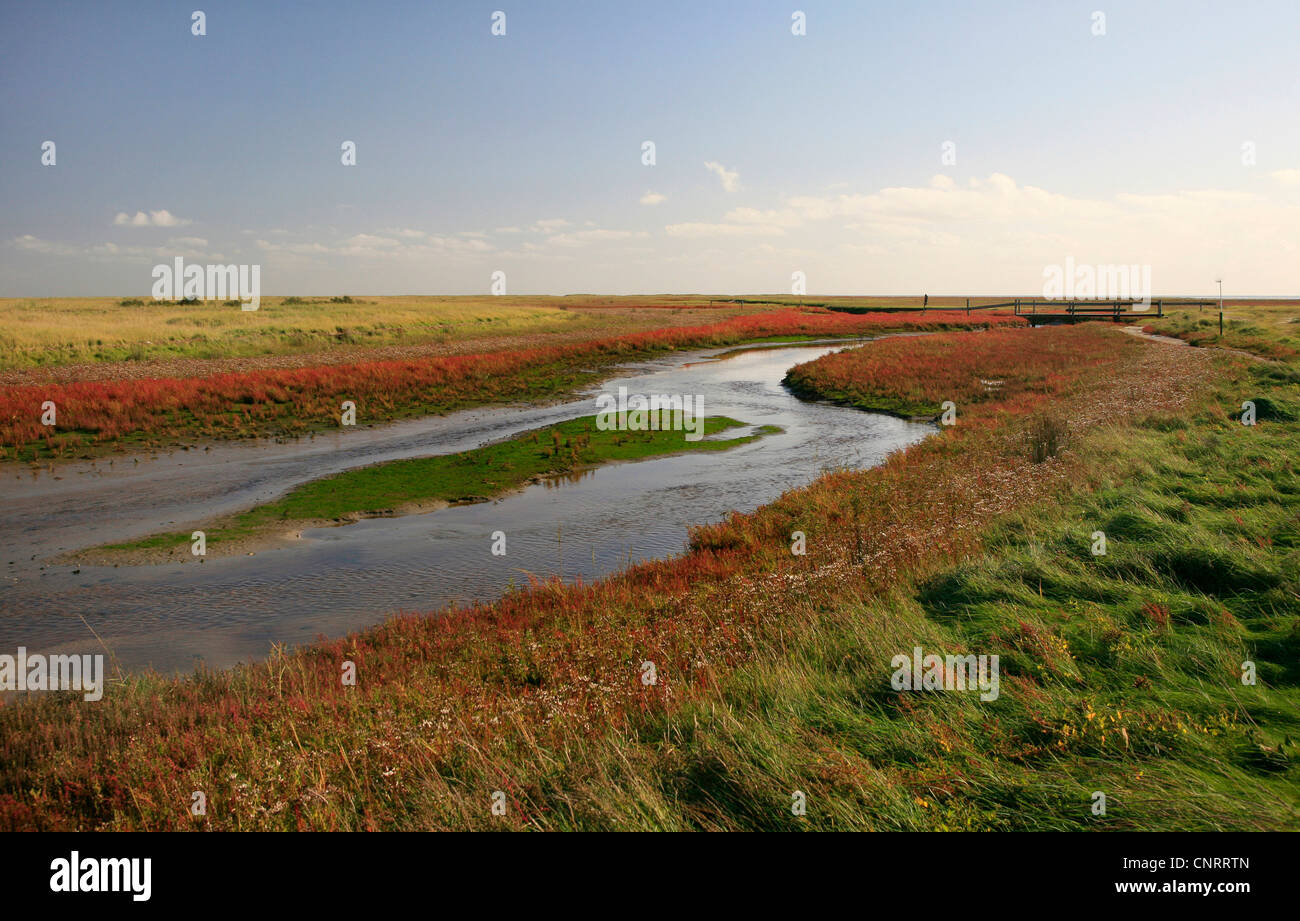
{"x": 772, "y": 670}
{"x": 915, "y": 378}
{"x": 99, "y": 415}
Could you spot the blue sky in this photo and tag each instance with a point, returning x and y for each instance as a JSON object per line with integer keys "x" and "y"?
{"x": 522, "y": 153}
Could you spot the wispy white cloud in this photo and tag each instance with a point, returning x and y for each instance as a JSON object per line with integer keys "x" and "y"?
{"x": 404, "y": 232}
{"x": 704, "y": 229}
{"x": 652, "y": 198}
{"x": 583, "y": 237}
{"x": 186, "y": 247}
{"x": 392, "y": 243}
{"x": 730, "y": 178}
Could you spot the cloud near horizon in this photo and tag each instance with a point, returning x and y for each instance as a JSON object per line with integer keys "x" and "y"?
{"x": 981, "y": 235}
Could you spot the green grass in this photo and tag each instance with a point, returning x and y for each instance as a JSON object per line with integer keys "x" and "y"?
{"x": 1268, "y": 330}
{"x": 475, "y": 475}
{"x": 1121, "y": 673}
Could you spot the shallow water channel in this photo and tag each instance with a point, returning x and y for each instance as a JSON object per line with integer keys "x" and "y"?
{"x": 226, "y": 610}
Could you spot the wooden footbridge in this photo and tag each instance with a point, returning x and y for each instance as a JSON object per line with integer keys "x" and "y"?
{"x": 1048, "y": 310}
{"x": 1041, "y": 310}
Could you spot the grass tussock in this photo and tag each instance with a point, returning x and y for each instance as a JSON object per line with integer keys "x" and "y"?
{"x": 1046, "y": 435}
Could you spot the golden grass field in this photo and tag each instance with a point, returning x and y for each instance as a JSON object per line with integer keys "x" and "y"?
{"x": 107, "y": 337}
{"x": 44, "y": 332}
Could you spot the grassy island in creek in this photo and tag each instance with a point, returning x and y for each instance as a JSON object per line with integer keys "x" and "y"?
{"x": 423, "y": 483}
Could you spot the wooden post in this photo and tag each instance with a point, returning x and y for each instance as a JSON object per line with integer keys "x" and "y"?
{"x": 1220, "y": 324}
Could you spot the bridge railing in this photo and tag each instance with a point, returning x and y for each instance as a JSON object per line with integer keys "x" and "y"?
{"x": 1122, "y": 308}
